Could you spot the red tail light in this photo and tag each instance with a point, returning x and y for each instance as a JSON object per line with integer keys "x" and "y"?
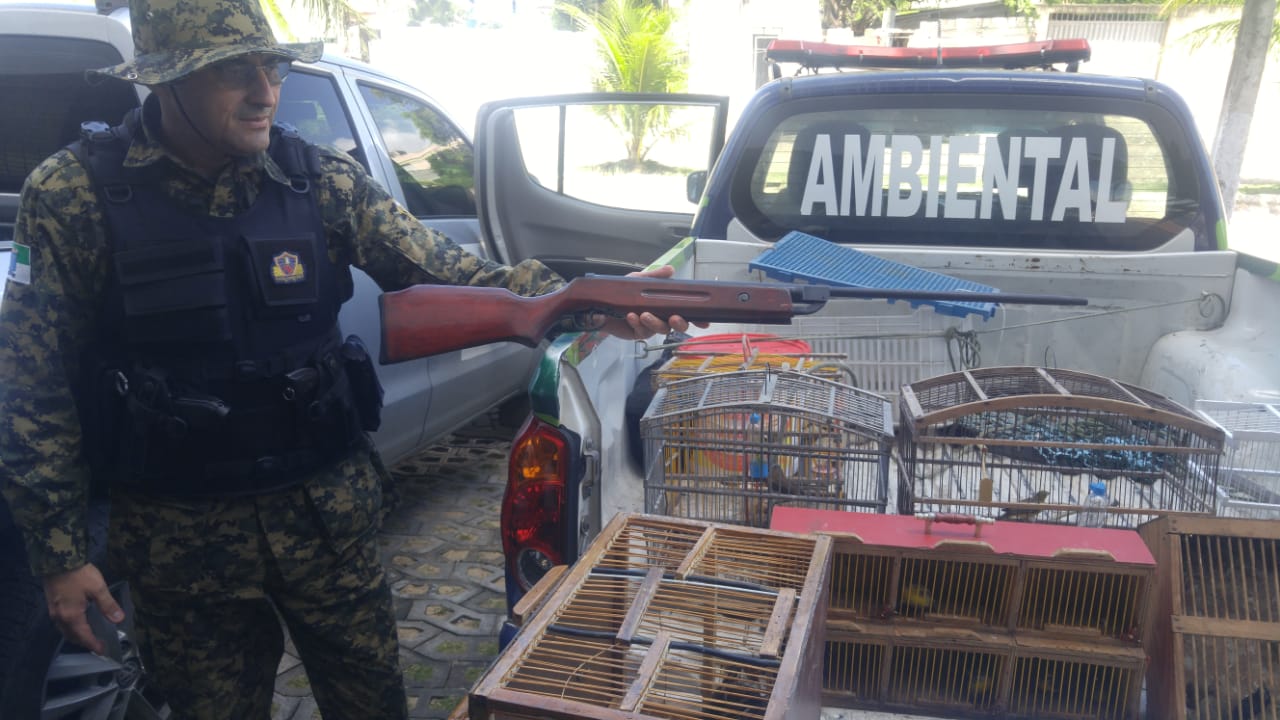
{"x": 533, "y": 509}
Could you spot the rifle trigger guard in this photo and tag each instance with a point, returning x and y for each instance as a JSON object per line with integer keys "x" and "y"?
{"x": 583, "y": 320}
{"x": 807, "y": 308}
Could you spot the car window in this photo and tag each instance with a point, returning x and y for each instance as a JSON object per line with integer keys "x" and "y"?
{"x": 310, "y": 102}
{"x": 433, "y": 160}
{"x": 1045, "y": 176}
{"x": 46, "y": 98}
{"x": 635, "y": 156}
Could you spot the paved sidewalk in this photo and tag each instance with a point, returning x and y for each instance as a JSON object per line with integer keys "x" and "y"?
{"x": 443, "y": 558}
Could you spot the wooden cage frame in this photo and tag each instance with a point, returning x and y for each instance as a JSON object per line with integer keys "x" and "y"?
{"x": 640, "y": 656}
{"x": 1222, "y": 612}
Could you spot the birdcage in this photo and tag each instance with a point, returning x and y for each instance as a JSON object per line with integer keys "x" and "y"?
{"x": 731, "y": 352}
{"x": 957, "y": 672}
{"x": 1025, "y": 443}
{"x": 961, "y": 614}
{"x": 885, "y": 351}
{"x": 730, "y": 447}
{"x": 1249, "y": 477}
{"x": 1086, "y": 593}
{"x": 1057, "y": 679}
{"x": 940, "y": 670}
{"x": 1215, "y": 642}
{"x": 664, "y": 618}
{"x": 969, "y": 572}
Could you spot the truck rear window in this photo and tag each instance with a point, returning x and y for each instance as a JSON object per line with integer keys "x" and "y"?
{"x": 973, "y": 175}
{"x": 46, "y": 98}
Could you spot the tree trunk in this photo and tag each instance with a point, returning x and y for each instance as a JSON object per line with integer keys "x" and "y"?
{"x": 1243, "y": 81}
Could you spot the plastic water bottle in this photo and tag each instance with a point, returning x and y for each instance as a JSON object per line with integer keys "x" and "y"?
{"x": 1093, "y": 511}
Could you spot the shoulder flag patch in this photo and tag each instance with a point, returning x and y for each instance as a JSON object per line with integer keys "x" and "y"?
{"x": 20, "y": 264}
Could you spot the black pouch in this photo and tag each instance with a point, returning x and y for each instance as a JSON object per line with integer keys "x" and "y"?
{"x": 366, "y": 391}
{"x": 175, "y": 292}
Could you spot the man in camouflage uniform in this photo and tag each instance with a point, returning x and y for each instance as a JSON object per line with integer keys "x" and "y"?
{"x": 210, "y": 571}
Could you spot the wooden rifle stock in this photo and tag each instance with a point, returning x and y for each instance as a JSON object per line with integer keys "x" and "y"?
{"x": 432, "y": 319}
{"x": 428, "y": 320}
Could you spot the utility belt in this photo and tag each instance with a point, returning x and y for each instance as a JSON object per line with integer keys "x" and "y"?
{"x": 256, "y": 435}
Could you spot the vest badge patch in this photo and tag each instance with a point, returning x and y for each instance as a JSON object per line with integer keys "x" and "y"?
{"x": 287, "y": 268}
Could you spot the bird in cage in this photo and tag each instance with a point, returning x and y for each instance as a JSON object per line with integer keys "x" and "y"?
{"x": 980, "y": 688}
{"x": 780, "y": 482}
{"x": 1255, "y": 705}
{"x": 739, "y": 689}
{"x": 914, "y": 600}
{"x": 1019, "y": 513}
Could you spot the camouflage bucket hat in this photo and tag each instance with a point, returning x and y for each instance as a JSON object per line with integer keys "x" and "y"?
{"x": 174, "y": 38}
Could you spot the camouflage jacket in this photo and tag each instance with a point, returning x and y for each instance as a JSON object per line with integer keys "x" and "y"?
{"x": 45, "y": 323}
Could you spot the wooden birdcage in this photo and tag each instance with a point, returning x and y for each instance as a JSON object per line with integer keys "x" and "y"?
{"x": 730, "y": 447}
{"x": 942, "y": 613}
{"x": 941, "y": 670}
{"x": 1215, "y": 642}
{"x": 1249, "y": 477}
{"x": 667, "y": 618}
{"x": 1060, "y": 679}
{"x": 1025, "y": 443}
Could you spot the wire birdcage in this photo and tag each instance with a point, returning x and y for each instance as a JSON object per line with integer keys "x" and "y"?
{"x": 1249, "y": 477}
{"x": 729, "y": 447}
{"x": 1025, "y": 443}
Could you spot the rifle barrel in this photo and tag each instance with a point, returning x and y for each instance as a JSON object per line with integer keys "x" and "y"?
{"x": 949, "y": 295}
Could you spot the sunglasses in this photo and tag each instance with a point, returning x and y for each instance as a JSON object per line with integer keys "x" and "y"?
{"x": 243, "y": 74}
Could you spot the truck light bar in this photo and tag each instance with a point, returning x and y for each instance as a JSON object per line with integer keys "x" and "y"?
{"x": 1042, "y": 53}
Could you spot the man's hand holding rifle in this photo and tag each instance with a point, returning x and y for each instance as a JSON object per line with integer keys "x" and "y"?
{"x": 641, "y": 325}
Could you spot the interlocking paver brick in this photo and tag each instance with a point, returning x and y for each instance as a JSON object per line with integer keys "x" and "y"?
{"x": 443, "y": 555}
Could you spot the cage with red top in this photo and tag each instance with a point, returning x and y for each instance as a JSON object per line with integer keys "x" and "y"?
{"x": 958, "y": 613}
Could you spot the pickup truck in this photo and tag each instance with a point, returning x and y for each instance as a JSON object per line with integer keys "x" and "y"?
{"x": 1028, "y": 180}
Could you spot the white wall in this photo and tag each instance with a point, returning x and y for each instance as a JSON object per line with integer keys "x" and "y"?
{"x": 462, "y": 68}
{"x": 721, "y": 46}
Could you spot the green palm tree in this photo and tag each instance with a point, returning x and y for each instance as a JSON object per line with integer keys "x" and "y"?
{"x": 1254, "y": 35}
{"x": 334, "y": 14}
{"x": 637, "y": 55}
{"x": 1223, "y": 31}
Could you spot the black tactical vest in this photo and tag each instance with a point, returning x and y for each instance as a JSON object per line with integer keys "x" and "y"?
{"x": 220, "y": 369}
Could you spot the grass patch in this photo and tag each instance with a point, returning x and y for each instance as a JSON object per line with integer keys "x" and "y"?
{"x": 451, "y": 647}
{"x": 1259, "y": 187}
{"x": 418, "y": 673}
{"x": 445, "y": 703}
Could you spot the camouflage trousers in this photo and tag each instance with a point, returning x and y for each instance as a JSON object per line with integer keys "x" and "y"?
{"x": 212, "y": 581}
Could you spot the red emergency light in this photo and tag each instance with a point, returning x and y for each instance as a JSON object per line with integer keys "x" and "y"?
{"x": 1042, "y": 53}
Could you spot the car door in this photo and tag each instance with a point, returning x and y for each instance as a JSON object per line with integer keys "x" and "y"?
{"x": 426, "y": 161}
{"x": 594, "y": 182}
{"x": 315, "y": 99}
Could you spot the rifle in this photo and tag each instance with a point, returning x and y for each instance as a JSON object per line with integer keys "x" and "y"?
{"x": 431, "y": 319}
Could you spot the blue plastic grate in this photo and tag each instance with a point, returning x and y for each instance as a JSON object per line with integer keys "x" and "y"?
{"x": 798, "y": 256}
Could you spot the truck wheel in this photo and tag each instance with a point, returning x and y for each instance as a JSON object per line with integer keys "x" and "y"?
{"x": 54, "y": 678}
{"x": 43, "y": 676}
